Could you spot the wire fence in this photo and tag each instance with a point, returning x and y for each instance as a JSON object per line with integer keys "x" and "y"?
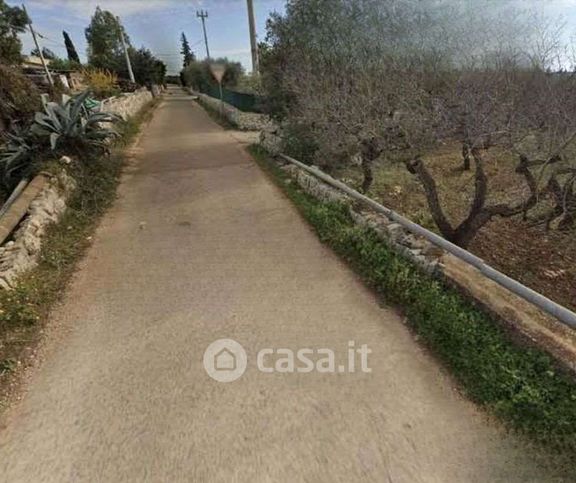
{"x": 240, "y": 100}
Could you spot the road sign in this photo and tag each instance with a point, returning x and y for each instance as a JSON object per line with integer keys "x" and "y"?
{"x": 218, "y": 71}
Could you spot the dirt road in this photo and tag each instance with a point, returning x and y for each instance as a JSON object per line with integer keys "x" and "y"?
{"x": 201, "y": 246}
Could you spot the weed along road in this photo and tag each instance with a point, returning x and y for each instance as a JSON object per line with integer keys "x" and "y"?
{"x": 317, "y": 381}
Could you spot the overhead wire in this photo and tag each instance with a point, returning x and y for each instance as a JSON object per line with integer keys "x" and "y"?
{"x": 168, "y": 56}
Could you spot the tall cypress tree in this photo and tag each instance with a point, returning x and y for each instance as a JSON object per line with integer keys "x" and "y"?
{"x": 186, "y": 51}
{"x": 70, "y": 49}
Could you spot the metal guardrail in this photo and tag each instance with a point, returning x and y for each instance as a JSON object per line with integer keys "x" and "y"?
{"x": 561, "y": 313}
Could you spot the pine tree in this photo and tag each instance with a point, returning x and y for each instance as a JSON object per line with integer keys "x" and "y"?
{"x": 186, "y": 51}
{"x": 70, "y": 49}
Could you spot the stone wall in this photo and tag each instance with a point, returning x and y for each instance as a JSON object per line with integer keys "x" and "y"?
{"x": 271, "y": 141}
{"x": 418, "y": 249}
{"x": 21, "y": 253}
{"x": 127, "y": 105}
{"x": 248, "y": 121}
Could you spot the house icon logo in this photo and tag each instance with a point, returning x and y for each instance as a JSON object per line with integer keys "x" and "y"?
{"x": 225, "y": 360}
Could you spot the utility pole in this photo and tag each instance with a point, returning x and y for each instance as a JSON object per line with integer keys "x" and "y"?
{"x": 123, "y": 40}
{"x": 203, "y": 14}
{"x": 48, "y": 74}
{"x": 253, "y": 43}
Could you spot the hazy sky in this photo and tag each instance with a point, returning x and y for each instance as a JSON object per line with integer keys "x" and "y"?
{"x": 157, "y": 24}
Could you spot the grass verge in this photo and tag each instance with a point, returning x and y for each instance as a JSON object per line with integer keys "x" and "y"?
{"x": 521, "y": 386}
{"x": 24, "y": 310}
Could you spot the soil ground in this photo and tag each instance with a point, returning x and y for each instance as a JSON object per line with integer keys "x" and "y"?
{"x": 544, "y": 261}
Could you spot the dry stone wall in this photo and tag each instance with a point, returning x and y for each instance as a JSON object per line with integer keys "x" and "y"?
{"x": 20, "y": 254}
{"x": 127, "y": 105}
{"x": 248, "y": 121}
{"x": 418, "y": 249}
{"x": 271, "y": 141}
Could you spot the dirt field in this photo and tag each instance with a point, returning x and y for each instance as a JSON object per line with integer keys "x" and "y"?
{"x": 543, "y": 261}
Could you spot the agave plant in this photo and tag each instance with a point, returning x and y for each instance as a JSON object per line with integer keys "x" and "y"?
{"x": 15, "y": 156}
{"x": 71, "y": 125}
{"x": 68, "y": 127}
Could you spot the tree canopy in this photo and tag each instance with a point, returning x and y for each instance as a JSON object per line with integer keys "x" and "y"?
{"x": 105, "y": 51}
{"x": 46, "y": 53}
{"x": 363, "y": 78}
{"x": 199, "y": 75}
{"x": 13, "y": 21}
{"x": 104, "y": 42}
{"x": 147, "y": 69}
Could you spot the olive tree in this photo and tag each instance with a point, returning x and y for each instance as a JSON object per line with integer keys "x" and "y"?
{"x": 365, "y": 77}
{"x": 548, "y": 144}
{"x": 347, "y": 70}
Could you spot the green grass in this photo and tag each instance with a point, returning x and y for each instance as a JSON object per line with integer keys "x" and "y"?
{"x": 521, "y": 386}
{"x": 24, "y": 310}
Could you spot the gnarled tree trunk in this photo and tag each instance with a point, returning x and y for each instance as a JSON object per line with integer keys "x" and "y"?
{"x": 465, "y": 156}
{"x": 368, "y": 175}
{"x": 479, "y": 213}
{"x": 369, "y": 152}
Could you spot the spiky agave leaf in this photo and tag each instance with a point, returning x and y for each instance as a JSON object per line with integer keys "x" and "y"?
{"x": 15, "y": 156}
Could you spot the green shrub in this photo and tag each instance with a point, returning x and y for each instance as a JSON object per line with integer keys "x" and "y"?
{"x": 64, "y": 64}
{"x": 199, "y": 76}
{"x": 62, "y": 128}
{"x": 101, "y": 82}
{"x": 298, "y": 142}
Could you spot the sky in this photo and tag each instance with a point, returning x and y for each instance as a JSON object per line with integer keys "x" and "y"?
{"x": 158, "y": 24}
{"x": 155, "y": 24}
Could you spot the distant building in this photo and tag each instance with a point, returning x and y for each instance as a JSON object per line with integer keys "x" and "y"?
{"x": 34, "y": 70}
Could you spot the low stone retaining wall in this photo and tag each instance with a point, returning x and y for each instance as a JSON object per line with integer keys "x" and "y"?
{"x": 248, "y": 121}
{"x": 271, "y": 141}
{"x": 127, "y": 105}
{"x": 21, "y": 253}
{"x": 418, "y": 249}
